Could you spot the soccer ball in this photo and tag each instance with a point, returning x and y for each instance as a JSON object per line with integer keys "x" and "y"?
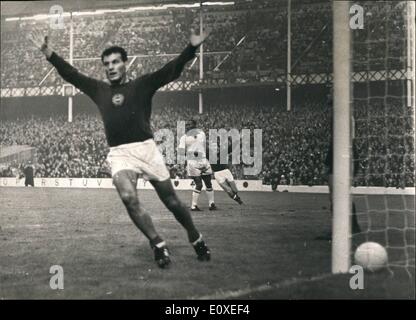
{"x": 371, "y": 256}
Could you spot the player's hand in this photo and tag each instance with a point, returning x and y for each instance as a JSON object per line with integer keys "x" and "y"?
{"x": 40, "y": 41}
{"x": 197, "y": 40}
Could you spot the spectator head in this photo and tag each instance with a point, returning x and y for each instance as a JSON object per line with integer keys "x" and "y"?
{"x": 191, "y": 124}
{"x": 114, "y": 60}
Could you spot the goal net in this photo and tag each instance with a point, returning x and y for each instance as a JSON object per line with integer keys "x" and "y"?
{"x": 382, "y": 82}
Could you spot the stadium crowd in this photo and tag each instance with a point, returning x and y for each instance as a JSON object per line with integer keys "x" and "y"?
{"x": 63, "y": 149}
{"x": 155, "y": 36}
{"x": 295, "y": 144}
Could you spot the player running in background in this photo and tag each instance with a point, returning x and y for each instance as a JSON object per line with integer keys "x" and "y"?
{"x": 125, "y": 107}
{"x": 193, "y": 144}
{"x": 223, "y": 175}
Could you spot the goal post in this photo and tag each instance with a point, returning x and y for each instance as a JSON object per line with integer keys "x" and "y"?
{"x": 374, "y": 129}
{"x": 411, "y": 59}
{"x": 341, "y": 138}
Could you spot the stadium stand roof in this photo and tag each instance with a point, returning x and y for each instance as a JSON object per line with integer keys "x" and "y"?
{"x": 9, "y": 150}
{"x": 19, "y": 8}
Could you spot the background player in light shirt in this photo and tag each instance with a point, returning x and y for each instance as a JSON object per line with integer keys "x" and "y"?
{"x": 193, "y": 145}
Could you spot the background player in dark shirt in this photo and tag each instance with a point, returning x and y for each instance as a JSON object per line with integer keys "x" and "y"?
{"x": 223, "y": 175}
{"x": 125, "y": 108}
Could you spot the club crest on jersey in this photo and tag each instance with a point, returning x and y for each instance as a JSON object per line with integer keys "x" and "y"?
{"x": 118, "y": 100}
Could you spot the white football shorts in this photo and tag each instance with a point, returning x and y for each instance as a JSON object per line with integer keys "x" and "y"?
{"x": 223, "y": 175}
{"x": 142, "y": 157}
{"x": 196, "y": 168}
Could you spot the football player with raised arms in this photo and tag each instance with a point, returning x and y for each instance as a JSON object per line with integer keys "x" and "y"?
{"x": 125, "y": 106}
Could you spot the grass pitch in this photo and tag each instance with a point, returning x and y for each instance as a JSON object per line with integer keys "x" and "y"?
{"x": 265, "y": 249}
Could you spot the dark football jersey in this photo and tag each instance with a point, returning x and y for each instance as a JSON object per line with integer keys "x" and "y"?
{"x": 125, "y": 108}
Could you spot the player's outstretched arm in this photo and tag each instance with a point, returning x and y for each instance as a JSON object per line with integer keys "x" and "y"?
{"x": 172, "y": 70}
{"x": 66, "y": 71}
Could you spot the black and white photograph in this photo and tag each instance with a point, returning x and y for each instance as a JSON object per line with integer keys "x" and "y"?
{"x": 194, "y": 151}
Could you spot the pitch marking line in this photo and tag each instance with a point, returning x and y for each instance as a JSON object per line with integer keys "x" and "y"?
{"x": 29, "y": 226}
{"x": 221, "y": 295}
